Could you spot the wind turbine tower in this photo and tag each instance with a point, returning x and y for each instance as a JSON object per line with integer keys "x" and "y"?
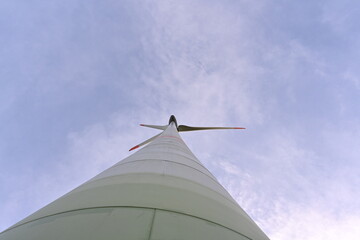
{"x": 161, "y": 192}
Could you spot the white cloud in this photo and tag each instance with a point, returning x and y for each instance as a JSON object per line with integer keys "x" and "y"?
{"x": 213, "y": 63}
{"x": 290, "y": 196}
{"x": 311, "y": 222}
{"x": 200, "y": 63}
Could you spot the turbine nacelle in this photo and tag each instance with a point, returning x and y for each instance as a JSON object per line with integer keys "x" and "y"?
{"x": 180, "y": 128}
{"x": 173, "y": 119}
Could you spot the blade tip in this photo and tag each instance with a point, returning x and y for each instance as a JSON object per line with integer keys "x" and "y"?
{"x": 134, "y": 148}
{"x": 239, "y": 128}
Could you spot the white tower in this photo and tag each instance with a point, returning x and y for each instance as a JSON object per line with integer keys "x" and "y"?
{"x": 161, "y": 192}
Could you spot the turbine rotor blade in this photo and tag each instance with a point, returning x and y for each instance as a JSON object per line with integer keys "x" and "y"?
{"x": 184, "y": 128}
{"x": 145, "y": 142}
{"x": 154, "y": 126}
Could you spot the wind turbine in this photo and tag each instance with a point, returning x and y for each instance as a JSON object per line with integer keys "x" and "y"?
{"x": 181, "y": 128}
{"x": 161, "y": 192}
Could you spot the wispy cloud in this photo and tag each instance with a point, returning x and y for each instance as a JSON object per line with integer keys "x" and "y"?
{"x": 286, "y": 71}
{"x": 290, "y": 196}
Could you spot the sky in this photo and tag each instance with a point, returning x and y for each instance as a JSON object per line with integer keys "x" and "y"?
{"x": 78, "y": 76}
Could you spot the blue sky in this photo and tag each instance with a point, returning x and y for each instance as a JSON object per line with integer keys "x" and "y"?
{"x": 77, "y": 77}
